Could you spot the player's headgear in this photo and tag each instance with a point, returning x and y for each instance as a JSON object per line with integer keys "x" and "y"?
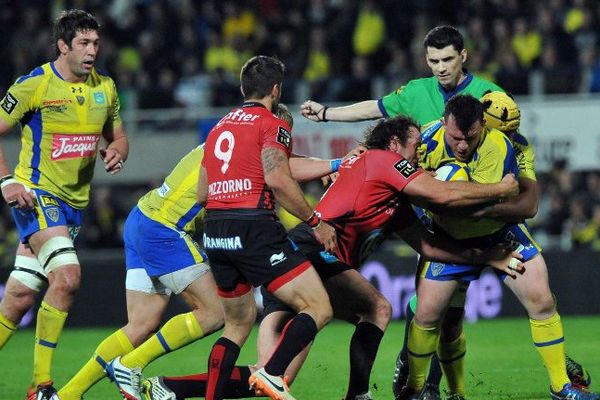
{"x": 501, "y": 112}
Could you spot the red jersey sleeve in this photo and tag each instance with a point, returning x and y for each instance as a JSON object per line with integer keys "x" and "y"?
{"x": 277, "y": 133}
{"x": 393, "y": 169}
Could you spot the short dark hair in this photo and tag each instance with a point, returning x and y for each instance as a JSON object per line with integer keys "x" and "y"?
{"x": 380, "y": 135}
{"x": 259, "y": 74}
{"x": 69, "y": 22}
{"x": 466, "y": 110}
{"x": 444, "y": 36}
{"x": 281, "y": 111}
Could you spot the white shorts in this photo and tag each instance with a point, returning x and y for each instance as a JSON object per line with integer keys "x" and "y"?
{"x": 175, "y": 282}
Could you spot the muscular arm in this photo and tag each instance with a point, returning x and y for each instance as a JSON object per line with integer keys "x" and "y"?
{"x": 308, "y": 168}
{"x": 278, "y": 177}
{"x": 4, "y": 168}
{"x": 518, "y": 208}
{"x": 428, "y": 192}
{"x": 365, "y": 110}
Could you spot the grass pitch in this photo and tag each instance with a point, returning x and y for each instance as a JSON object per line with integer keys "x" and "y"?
{"x": 501, "y": 361}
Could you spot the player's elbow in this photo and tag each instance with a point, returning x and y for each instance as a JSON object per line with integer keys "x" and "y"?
{"x": 530, "y": 210}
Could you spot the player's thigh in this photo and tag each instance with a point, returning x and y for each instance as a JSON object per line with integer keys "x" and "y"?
{"x": 353, "y": 297}
{"x": 56, "y": 253}
{"x": 306, "y": 293}
{"x": 433, "y": 299}
{"x": 532, "y": 288}
{"x": 202, "y": 293}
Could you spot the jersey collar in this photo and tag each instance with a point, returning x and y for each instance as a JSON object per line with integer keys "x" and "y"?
{"x": 448, "y": 94}
{"x": 253, "y": 104}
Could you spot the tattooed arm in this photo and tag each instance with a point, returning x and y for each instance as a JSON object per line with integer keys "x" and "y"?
{"x": 287, "y": 192}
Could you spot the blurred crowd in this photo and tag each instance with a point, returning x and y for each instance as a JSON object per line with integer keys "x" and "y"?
{"x": 179, "y": 53}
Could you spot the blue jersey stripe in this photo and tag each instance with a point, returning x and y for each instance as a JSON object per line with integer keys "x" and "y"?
{"x": 510, "y": 160}
{"x": 188, "y": 216}
{"x": 56, "y": 71}
{"x": 36, "y": 72}
{"x": 35, "y": 124}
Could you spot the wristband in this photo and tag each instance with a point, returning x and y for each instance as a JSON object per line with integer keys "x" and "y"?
{"x": 335, "y": 164}
{"x": 7, "y": 180}
{"x": 313, "y": 221}
{"x": 324, "y": 119}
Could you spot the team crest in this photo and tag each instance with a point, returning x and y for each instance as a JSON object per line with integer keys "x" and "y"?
{"x": 99, "y": 97}
{"x": 52, "y": 213}
{"x": 8, "y": 103}
{"x": 284, "y": 137}
{"x": 405, "y": 168}
{"x": 436, "y": 268}
{"x": 80, "y": 100}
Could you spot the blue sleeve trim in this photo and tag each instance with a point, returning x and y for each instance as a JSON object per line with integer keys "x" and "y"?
{"x": 35, "y": 72}
{"x": 382, "y": 108}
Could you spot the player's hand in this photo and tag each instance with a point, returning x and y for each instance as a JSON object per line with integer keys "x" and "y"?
{"x": 312, "y": 110}
{"x": 503, "y": 258}
{"x": 328, "y": 179}
{"x": 113, "y": 161}
{"x": 18, "y": 195}
{"x": 511, "y": 184}
{"x": 326, "y": 235}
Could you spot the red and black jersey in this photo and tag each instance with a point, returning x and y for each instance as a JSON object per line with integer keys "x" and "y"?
{"x": 365, "y": 197}
{"x": 232, "y": 157}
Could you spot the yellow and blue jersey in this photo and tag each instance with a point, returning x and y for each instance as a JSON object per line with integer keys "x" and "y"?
{"x": 493, "y": 158}
{"x": 525, "y": 156}
{"x": 61, "y": 125}
{"x": 175, "y": 203}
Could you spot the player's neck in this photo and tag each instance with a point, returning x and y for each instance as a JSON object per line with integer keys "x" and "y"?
{"x": 265, "y": 101}
{"x": 460, "y": 80}
{"x": 65, "y": 72}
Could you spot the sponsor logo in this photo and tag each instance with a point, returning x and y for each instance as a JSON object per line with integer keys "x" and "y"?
{"x": 229, "y": 186}
{"x": 238, "y": 115}
{"x": 277, "y": 258}
{"x": 76, "y": 89}
{"x": 436, "y": 268}
{"x": 224, "y": 243}
{"x": 284, "y": 137}
{"x": 275, "y": 385}
{"x": 99, "y": 97}
{"x": 328, "y": 257}
{"x": 9, "y": 102}
{"x": 73, "y": 146}
{"x": 52, "y": 213}
{"x": 163, "y": 190}
{"x": 405, "y": 168}
{"x": 48, "y": 201}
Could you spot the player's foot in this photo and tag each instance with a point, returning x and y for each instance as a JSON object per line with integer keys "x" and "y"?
{"x": 573, "y": 392}
{"x": 407, "y": 393}
{"x": 430, "y": 392}
{"x": 44, "y": 391}
{"x": 155, "y": 389}
{"x": 364, "y": 396}
{"x": 577, "y": 374}
{"x": 128, "y": 380}
{"x": 400, "y": 375}
{"x": 272, "y": 386}
{"x": 455, "y": 396}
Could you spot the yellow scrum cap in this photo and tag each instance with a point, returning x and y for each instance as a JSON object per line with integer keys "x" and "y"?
{"x": 500, "y": 111}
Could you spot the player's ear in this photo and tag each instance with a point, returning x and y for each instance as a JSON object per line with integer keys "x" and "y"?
{"x": 463, "y": 55}
{"x": 276, "y": 90}
{"x": 63, "y": 47}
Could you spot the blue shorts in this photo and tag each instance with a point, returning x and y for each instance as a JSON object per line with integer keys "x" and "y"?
{"x": 48, "y": 212}
{"x": 517, "y": 234}
{"x": 157, "y": 248}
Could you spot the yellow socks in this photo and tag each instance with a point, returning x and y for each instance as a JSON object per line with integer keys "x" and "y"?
{"x": 452, "y": 359}
{"x": 422, "y": 343}
{"x": 50, "y": 322}
{"x": 179, "y": 331}
{"x": 113, "y": 346}
{"x": 7, "y": 328}
{"x": 549, "y": 341}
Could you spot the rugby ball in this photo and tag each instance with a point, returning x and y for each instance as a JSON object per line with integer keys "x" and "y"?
{"x": 453, "y": 172}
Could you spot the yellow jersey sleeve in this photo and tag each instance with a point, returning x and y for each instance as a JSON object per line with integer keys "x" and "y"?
{"x": 525, "y": 156}
{"x": 22, "y": 97}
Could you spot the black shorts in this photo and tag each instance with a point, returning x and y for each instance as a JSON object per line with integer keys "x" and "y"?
{"x": 250, "y": 252}
{"x": 326, "y": 265}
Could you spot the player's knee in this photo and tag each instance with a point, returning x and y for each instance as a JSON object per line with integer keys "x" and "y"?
{"x": 541, "y": 303}
{"x": 323, "y": 315}
{"x": 428, "y": 318}
{"x": 16, "y": 302}
{"x": 65, "y": 280}
{"x": 138, "y": 333}
{"x": 381, "y": 311}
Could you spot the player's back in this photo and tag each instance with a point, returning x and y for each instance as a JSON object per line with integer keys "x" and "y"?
{"x": 365, "y": 197}
{"x": 232, "y": 157}
{"x": 175, "y": 202}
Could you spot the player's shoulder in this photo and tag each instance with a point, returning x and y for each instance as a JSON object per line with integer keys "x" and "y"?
{"x": 429, "y": 131}
{"x": 34, "y": 77}
{"x": 480, "y": 86}
{"x": 422, "y": 83}
{"x": 496, "y": 140}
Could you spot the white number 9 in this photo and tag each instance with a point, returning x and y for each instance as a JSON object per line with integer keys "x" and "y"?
{"x": 224, "y": 156}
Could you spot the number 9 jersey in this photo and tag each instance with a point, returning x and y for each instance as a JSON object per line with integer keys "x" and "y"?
{"x": 232, "y": 157}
